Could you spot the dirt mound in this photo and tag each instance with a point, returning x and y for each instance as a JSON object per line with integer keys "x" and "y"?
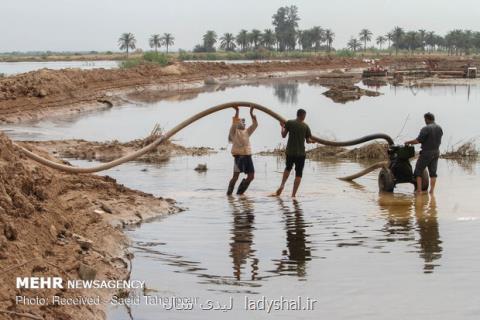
{"x": 39, "y": 93}
{"x": 111, "y": 150}
{"x": 370, "y": 151}
{"x": 55, "y": 224}
{"x": 344, "y": 94}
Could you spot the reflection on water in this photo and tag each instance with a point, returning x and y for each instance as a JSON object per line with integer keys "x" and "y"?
{"x": 242, "y": 236}
{"x": 427, "y": 227}
{"x": 286, "y": 92}
{"x": 401, "y": 211}
{"x": 338, "y": 242}
{"x": 297, "y": 253}
{"x": 343, "y": 244}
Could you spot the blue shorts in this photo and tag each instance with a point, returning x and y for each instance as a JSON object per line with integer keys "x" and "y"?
{"x": 243, "y": 164}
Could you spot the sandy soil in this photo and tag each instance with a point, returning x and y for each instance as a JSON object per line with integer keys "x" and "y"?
{"x": 56, "y": 224}
{"x": 108, "y": 151}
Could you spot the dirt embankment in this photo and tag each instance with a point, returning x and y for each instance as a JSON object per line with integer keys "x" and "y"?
{"x": 370, "y": 151}
{"x": 111, "y": 150}
{"x": 56, "y": 224}
{"x": 41, "y": 93}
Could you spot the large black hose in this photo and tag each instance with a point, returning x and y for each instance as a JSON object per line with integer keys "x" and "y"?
{"x": 364, "y": 139}
{"x": 182, "y": 125}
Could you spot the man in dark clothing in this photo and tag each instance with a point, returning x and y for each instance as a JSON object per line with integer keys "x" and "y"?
{"x": 430, "y": 138}
{"x": 298, "y": 133}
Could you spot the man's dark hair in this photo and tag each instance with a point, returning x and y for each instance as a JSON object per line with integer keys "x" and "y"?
{"x": 429, "y": 116}
{"x": 301, "y": 112}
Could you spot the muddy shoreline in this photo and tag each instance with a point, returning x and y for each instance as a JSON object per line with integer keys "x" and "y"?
{"x": 66, "y": 225}
{"x": 46, "y": 93}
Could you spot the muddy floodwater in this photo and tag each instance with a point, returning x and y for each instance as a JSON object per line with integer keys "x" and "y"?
{"x": 11, "y": 68}
{"x": 357, "y": 253}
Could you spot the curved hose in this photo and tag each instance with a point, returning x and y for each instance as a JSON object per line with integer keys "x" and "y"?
{"x": 181, "y": 126}
{"x": 365, "y": 171}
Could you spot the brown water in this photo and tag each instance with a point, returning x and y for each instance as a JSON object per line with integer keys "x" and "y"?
{"x": 360, "y": 254}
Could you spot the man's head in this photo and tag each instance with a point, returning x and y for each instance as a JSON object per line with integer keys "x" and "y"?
{"x": 429, "y": 118}
{"x": 241, "y": 124}
{"x": 301, "y": 114}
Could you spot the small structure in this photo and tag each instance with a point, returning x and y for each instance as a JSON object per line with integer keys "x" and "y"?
{"x": 471, "y": 72}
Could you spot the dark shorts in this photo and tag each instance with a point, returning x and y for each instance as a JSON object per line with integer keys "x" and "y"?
{"x": 243, "y": 164}
{"x": 427, "y": 159}
{"x": 298, "y": 161}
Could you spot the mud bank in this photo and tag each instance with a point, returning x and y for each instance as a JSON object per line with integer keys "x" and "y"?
{"x": 111, "y": 150}
{"x": 370, "y": 151}
{"x": 55, "y": 224}
{"x": 44, "y": 93}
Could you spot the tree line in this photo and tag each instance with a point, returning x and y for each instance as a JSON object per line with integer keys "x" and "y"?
{"x": 454, "y": 42}
{"x": 286, "y": 36}
{"x": 127, "y": 41}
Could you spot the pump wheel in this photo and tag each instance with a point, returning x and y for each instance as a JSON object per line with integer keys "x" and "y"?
{"x": 386, "y": 180}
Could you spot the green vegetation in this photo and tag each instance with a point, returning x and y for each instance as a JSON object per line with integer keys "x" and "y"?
{"x": 154, "y": 58}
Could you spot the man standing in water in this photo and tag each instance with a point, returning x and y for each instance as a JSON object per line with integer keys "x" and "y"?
{"x": 430, "y": 138}
{"x": 298, "y": 133}
{"x": 239, "y": 136}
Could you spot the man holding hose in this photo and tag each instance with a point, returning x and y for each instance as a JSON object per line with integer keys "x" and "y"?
{"x": 239, "y": 136}
{"x": 298, "y": 133}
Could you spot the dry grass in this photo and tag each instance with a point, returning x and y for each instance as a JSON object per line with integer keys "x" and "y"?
{"x": 465, "y": 150}
{"x": 371, "y": 151}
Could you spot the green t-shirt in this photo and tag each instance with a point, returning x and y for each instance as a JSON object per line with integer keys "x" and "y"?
{"x": 298, "y": 132}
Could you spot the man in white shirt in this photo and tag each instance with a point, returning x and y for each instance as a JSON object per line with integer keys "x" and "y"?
{"x": 239, "y": 136}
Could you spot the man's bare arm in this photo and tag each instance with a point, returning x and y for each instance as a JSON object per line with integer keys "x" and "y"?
{"x": 284, "y": 130}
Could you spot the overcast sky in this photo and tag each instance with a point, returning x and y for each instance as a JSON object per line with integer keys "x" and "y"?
{"x": 96, "y": 24}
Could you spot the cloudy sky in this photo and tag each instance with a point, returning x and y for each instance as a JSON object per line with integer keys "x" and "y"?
{"x": 96, "y": 24}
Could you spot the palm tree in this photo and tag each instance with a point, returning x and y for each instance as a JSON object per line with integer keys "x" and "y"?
{"x": 397, "y": 35}
{"x": 242, "y": 39}
{"x": 127, "y": 41}
{"x": 430, "y": 40}
{"x": 422, "y": 35}
{"x": 268, "y": 39}
{"x": 389, "y": 37}
{"x": 353, "y": 44}
{"x": 380, "y": 41}
{"x": 227, "y": 42}
{"x": 317, "y": 36}
{"x": 329, "y": 36}
{"x": 365, "y": 36}
{"x": 209, "y": 40}
{"x": 255, "y": 37}
{"x": 168, "y": 40}
{"x": 411, "y": 39}
{"x": 155, "y": 41}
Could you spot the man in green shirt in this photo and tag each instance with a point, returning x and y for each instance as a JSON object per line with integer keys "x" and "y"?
{"x": 298, "y": 133}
